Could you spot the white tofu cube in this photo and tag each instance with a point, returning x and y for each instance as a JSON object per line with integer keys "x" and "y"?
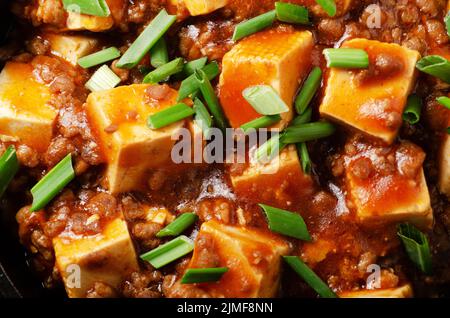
{"x": 374, "y": 102}
{"x": 200, "y": 7}
{"x": 404, "y": 291}
{"x": 71, "y": 47}
{"x": 108, "y": 258}
{"x": 278, "y": 183}
{"x": 25, "y": 112}
{"x": 380, "y": 191}
{"x": 119, "y": 119}
{"x": 252, "y": 256}
{"x": 276, "y": 57}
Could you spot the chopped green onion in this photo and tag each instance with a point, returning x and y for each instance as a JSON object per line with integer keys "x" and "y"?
{"x": 411, "y": 114}
{"x": 164, "y": 71}
{"x": 346, "y": 58}
{"x": 103, "y": 78}
{"x": 52, "y": 183}
{"x": 329, "y": 6}
{"x": 203, "y": 275}
{"x": 416, "y": 245}
{"x": 169, "y": 116}
{"x": 304, "y": 157}
{"x": 169, "y": 252}
{"x": 211, "y": 99}
{"x": 158, "y": 53}
{"x": 447, "y": 23}
{"x": 303, "y": 118}
{"x": 202, "y": 117}
{"x": 9, "y": 165}
{"x": 261, "y": 122}
{"x": 444, "y": 101}
{"x": 254, "y": 25}
{"x": 98, "y": 8}
{"x": 190, "y": 85}
{"x": 309, "y": 277}
{"x": 307, "y": 132}
{"x": 270, "y": 149}
{"x": 286, "y": 223}
{"x": 448, "y": 130}
{"x": 178, "y": 226}
{"x": 146, "y": 40}
{"x": 308, "y": 90}
{"x": 291, "y": 13}
{"x": 99, "y": 57}
{"x": 265, "y": 100}
{"x": 435, "y": 65}
{"x": 192, "y": 66}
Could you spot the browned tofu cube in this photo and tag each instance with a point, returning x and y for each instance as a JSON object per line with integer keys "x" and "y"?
{"x": 387, "y": 184}
{"x": 25, "y": 113}
{"x": 372, "y": 100}
{"x": 252, "y": 257}
{"x": 119, "y": 119}
{"x": 276, "y": 57}
{"x": 404, "y": 291}
{"x": 108, "y": 258}
{"x": 279, "y": 182}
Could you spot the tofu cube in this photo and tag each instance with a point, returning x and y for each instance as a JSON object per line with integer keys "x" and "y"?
{"x": 71, "y": 47}
{"x": 276, "y": 57}
{"x": 252, "y": 256}
{"x": 404, "y": 291}
{"x": 200, "y": 7}
{"x": 278, "y": 183}
{"x": 118, "y": 117}
{"x": 77, "y": 21}
{"x": 25, "y": 112}
{"x": 444, "y": 165}
{"x": 372, "y": 100}
{"x": 381, "y": 192}
{"x": 159, "y": 215}
{"x": 108, "y": 258}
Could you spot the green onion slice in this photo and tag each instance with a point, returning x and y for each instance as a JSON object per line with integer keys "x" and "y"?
{"x": 411, "y": 114}
{"x": 265, "y": 100}
{"x": 211, "y": 99}
{"x": 190, "y": 85}
{"x": 270, "y": 149}
{"x": 447, "y": 23}
{"x": 146, "y": 40}
{"x": 52, "y": 183}
{"x": 286, "y": 223}
{"x": 104, "y": 78}
{"x": 291, "y": 13}
{"x": 169, "y": 252}
{"x": 346, "y": 58}
{"x": 444, "y": 101}
{"x": 302, "y": 150}
{"x": 448, "y": 130}
{"x": 202, "y": 117}
{"x": 309, "y": 277}
{"x": 191, "y": 66}
{"x": 307, "y": 132}
{"x": 98, "y": 8}
{"x": 303, "y": 118}
{"x": 261, "y": 122}
{"x": 308, "y": 90}
{"x": 254, "y": 25}
{"x": 329, "y": 6}
{"x": 100, "y": 57}
{"x": 9, "y": 165}
{"x": 164, "y": 71}
{"x": 435, "y": 65}
{"x": 416, "y": 245}
{"x": 203, "y": 275}
{"x": 169, "y": 116}
{"x": 158, "y": 53}
{"x": 178, "y": 226}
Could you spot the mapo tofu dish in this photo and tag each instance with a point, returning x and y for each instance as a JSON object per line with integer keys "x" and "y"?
{"x": 229, "y": 148}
